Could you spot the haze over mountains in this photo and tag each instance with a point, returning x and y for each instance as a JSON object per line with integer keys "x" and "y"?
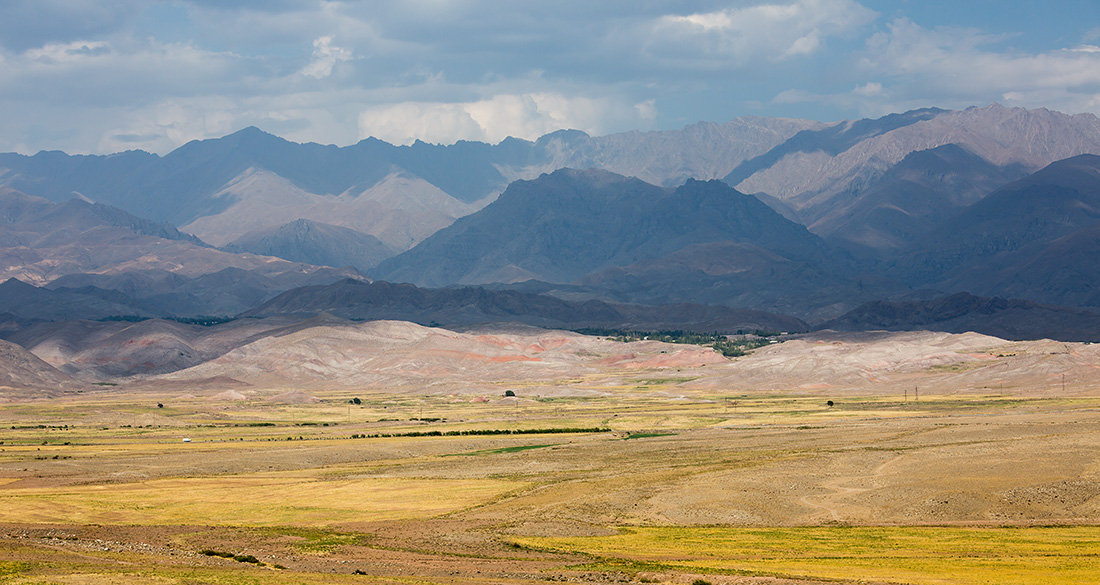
{"x": 778, "y": 216}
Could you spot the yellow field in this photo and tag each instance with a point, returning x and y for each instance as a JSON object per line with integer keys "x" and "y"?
{"x": 925, "y": 555}
{"x": 686, "y": 484}
{"x": 276, "y": 499}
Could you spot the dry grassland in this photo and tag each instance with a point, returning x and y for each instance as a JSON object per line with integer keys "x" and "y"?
{"x": 699, "y": 475}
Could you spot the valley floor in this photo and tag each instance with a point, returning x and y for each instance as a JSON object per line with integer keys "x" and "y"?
{"x": 713, "y": 473}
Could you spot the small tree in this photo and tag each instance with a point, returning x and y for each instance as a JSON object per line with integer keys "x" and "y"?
{"x": 509, "y": 393}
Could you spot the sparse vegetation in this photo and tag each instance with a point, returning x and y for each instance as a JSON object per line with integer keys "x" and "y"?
{"x": 319, "y": 541}
{"x": 646, "y": 435}
{"x": 476, "y": 432}
{"x": 515, "y": 449}
{"x": 472, "y": 481}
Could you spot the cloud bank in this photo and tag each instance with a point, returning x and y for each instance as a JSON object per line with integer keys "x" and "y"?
{"x": 94, "y": 77}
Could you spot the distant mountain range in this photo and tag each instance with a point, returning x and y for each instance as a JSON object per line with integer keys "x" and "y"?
{"x": 1005, "y": 318}
{"x": 983, "y": 247}
{"x": 464, "y": 306}
{"x": 777, "y": 216}
{"x": 223, "y": 188}
{"x": 315, "y": 243}
{"x": 42, "y": 242}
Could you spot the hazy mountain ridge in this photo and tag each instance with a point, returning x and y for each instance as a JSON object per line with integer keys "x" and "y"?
{"x": 1001, "y": 136}
{"x": 912, "y": 198}
{"x": 908, "y": 194}
{"x": 463, "y": 306}
{"x": 702, "y": 151}
{"x": 565, "y": 225}
{"x": 315, "y": 243}
{"x": 24, "y": 304}
{"x": 187, "y": 180}
{"x": 399, "y": 210}
{"x": 831, "y": 140}
{"x": 1049, "y": 204}
{"x": 1062, "y": 272}
{"x": 740, "y": 275}
{"x": 226, "y": 292}
{"x": 34, "y": 221}
{"x": 1004, "y": 318}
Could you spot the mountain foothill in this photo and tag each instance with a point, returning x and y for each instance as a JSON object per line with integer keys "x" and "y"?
{"x": 985, "y": 219}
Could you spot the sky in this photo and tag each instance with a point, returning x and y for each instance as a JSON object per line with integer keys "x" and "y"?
{"x": 98, "y": 77}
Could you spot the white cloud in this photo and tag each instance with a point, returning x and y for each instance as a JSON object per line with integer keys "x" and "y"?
{"x": 869, "y": 89}
{"x": 92, "y": 73}
{"x": 325, "y": 56}
{"x": 646, "y": 110}
{"x": 73, "y": 52}
{"x": 165, "y": 125}
{"x": 737, "y": 36}
{"x": 794, "y": 96}
{"x": 89, "y": 76}
{"x": 954, "y": 67}
{"x": 527, "y": 116}
{"x": 106, "y": 96}
{"x": 406, "y": 122}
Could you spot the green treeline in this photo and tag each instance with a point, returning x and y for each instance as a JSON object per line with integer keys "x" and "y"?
{"x": 721, "y": 342}
{"x": 488, "y": 432}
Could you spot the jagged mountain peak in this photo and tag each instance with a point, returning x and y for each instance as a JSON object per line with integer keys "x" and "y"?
{"x": 564, "y": 137}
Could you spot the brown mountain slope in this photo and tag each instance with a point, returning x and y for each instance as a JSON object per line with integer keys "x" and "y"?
{"x": 97, "y": 350}
{"x": 1062, "y": 272}
{"x": 24, "y": 375}
{"x": 41, "y": 241}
